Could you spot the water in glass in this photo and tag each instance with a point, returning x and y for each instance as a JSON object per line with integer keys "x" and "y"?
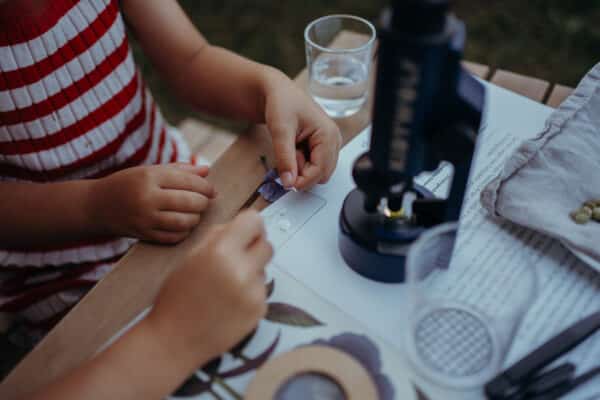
{"x": 339, "y": 83}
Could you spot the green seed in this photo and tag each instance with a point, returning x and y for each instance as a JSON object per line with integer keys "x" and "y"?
{"x": 580, "y": 217}
{"x": 586, "y": 210}
{"x": 596, "y": 214}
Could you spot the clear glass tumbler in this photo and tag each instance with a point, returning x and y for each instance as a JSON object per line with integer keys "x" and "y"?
{"x": 462, "y": 320}
{"x": 339, "y": 69}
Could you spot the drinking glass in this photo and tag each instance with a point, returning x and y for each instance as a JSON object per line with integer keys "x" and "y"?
{"x": 462, "y": 320}
{"x": 339, "y": 70}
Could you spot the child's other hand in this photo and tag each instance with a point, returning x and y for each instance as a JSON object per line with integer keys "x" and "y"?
{"x": 159, "y": 203}
{"x": 306, "y": 141}
{"x": 218, "y": 294}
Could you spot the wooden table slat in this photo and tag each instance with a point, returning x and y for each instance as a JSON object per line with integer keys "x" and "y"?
{"x": 558, "y": 95}
{"x": 206, "y": 140}
{"x": 196, "y": 133}
{"x": 533, "y": 88}
{"x": 348, "y": 39}
{"x": 480, "y": 70}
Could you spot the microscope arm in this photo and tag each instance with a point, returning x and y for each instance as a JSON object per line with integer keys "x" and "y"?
{"x": 455, "y": 143}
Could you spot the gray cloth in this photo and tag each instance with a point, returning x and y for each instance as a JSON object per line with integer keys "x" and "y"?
{"x": 548, "y": 177}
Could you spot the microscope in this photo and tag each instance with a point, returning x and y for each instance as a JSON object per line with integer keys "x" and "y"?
{"x": 427, "y": 109}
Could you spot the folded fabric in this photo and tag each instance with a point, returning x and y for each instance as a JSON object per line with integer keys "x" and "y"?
{"x": 553, "y": 174}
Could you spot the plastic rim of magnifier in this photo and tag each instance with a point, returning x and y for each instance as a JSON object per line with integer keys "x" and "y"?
{"x": 446, "y": 380}
{"x": 362, "y": 47}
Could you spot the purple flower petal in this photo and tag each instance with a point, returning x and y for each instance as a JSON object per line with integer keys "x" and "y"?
{"x": 193, "y": 386}
{"x": 360, "y": 347}
{"x": 384, "y": 386}
{"x": 270, "y": 190}
{"x": 252, "y": 363}
{"x": 367, "y": 354}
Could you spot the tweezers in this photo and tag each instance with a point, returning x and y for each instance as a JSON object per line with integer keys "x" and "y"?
{"x": 526, "y": 380}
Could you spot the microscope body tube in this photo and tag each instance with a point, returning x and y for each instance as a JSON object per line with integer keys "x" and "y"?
{"x": 416, "y": 69}
{"x": 427, "y": 109}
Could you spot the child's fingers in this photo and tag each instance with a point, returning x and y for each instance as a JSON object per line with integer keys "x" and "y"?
{"x": 316, "y": 169}
{"x": 300, "y": 160}
{"x": 245, "y": 229}
{"x": 326, "y": 154}
{"x": 171, "y": 221}
{"x": 201, "y": 170}
{"x": 183, "y": 201}
{"x": 309, "y": 176}
{"x": 284, "y": 136}
{"x": 159, "y": 236}
{"x": 261, "y": 252}
{"x": 179, "y": 180}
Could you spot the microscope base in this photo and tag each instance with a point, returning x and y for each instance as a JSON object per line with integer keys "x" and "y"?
{"x": 368, "y": 246}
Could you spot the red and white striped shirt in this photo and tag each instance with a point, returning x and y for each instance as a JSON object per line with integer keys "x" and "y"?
{"x": 72, "y": 106}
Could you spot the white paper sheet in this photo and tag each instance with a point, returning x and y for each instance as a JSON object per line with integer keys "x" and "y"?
{"x": 280, "y": 331}
{"x": 290, "y": 292}
{"x": 569, "y": 289}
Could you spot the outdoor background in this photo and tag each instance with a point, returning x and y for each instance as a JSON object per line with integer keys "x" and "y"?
{"x": 555, "y": 40}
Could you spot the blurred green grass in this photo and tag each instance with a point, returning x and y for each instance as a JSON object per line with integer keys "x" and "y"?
{"x": 550, "y": 39}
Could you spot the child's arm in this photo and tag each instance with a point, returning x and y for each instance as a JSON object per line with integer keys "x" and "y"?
{"x": 204, "y": 309}
{"x": 216, "y": 80}
{"x": 158, "y": 203}
{"x": 35, "y": 214}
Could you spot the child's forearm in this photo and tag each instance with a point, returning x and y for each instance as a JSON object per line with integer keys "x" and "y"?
{"x": 39, "y": 214}
{"x": 223, "y": 83}
{"x": 210, "y": 78}
{"x": 140, "y": 365}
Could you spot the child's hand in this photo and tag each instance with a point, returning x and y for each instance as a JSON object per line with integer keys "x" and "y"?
{"x": 294, "y": 119}
{"x": 218, "y": 294}
{"x": 219, "y": 82}
{"x": 160, "y": 203}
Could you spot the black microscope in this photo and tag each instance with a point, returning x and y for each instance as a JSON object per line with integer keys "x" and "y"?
{"x": 427, "y": 110}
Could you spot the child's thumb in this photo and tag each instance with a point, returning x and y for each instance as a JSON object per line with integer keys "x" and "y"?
{"x": 201, "y": 170}
{"x": 284, "y": 144}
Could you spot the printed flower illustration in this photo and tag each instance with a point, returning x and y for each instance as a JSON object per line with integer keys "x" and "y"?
{"x": 202, "y": 382}
{"x": 278, "y": 313}
{"x": 367, "y": 354}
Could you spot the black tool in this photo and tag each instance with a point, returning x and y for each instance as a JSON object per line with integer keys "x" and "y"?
{"x": 525, "y": 381}
{"x": 427, "y": 109}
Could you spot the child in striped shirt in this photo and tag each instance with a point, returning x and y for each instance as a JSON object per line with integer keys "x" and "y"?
{"x": 87, "y": 163}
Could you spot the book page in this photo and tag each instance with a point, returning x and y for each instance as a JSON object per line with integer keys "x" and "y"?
{"x": 487, "y": 251}
{"x": 296, "y": 317}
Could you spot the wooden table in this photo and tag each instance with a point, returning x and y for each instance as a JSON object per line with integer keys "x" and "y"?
{"x": 134, "y": 282}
